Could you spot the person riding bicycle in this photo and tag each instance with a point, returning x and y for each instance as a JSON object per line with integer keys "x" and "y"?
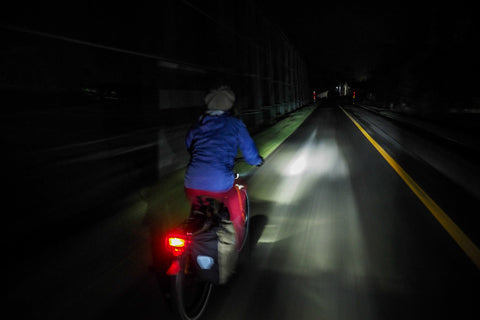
{"x": 213, "y": 142}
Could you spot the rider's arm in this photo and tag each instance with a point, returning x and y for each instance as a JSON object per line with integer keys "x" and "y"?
{"x": 190, "y": 137}
{"x": 247, "y": 146}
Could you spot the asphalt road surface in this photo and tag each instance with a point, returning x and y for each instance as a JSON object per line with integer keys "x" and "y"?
{"x": 336, "y": 233}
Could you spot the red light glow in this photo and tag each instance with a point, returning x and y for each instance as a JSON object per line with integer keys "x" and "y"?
{"x": 174, "y": 268}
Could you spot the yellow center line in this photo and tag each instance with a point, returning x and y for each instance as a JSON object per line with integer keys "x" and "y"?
{"x": 455, "y": 232}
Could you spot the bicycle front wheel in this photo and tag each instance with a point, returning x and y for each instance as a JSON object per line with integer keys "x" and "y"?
{"x": 190, "y": 294}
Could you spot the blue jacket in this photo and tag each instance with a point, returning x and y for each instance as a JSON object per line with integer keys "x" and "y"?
{"x": 213, "y": 142}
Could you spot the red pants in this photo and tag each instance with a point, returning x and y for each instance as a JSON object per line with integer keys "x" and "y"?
{"x": 233, "y": 199}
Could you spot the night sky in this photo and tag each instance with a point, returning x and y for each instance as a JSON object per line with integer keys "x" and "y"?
{"x": 342, "y": 40}
{"x": 406, "y": 45}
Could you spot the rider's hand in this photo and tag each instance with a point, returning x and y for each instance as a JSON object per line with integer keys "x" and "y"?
{"x": 261, "y": 163}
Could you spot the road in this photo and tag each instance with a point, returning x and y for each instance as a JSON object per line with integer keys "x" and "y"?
{"x": 336, "y": 234}
{"x": 345, "y": 237}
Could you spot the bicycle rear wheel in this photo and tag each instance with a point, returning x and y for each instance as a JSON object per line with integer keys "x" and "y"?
{"x": 190, "y": 294}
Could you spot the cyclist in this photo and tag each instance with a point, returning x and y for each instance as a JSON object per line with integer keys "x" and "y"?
{"x": 213, "y": 142}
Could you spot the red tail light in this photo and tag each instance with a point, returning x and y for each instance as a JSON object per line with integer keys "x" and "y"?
{"x": 176, "y": 244}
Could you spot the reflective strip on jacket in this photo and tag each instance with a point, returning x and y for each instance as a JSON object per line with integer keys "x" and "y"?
{"x": 213, "y": 143}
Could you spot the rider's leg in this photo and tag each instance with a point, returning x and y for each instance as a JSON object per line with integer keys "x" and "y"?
{"x": 236, "y": 207}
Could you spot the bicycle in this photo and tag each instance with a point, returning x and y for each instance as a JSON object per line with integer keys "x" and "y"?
{"x": 189, "y": 292}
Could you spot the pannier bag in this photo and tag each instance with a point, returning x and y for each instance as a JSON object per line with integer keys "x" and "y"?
{"x": 214, "y": 252}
